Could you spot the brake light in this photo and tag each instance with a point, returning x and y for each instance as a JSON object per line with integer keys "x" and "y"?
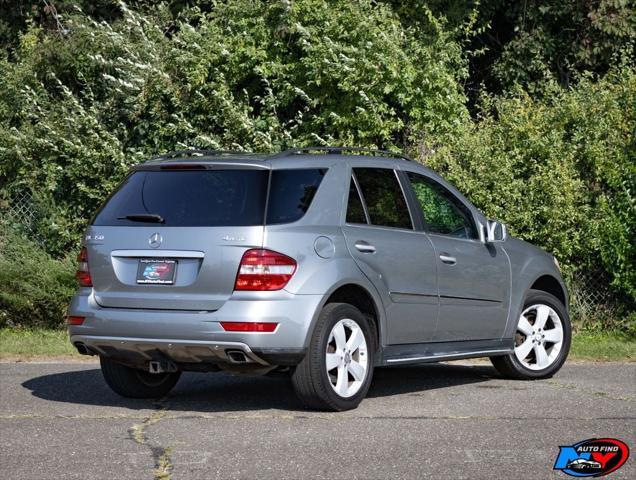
{"x": 262, "y": 327}
{"x": 264, "y": 270}
{"x": 184, "y": 166}
{"x": 83, "y": 274}
{"x": 71, "y": 320}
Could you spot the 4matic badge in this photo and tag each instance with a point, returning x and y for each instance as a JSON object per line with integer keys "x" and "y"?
{"x": 594, "y": 457}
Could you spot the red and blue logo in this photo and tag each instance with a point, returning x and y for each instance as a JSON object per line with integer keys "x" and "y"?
{"x": 594, "y": 457}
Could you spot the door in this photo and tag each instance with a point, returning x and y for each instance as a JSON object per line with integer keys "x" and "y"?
{"x": 397, "y": 259}
{"x": 473, "y": 277}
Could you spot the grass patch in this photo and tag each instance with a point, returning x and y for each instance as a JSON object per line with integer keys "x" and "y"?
{"x": 25, "y": 344}
{"x": 603, "y": 346}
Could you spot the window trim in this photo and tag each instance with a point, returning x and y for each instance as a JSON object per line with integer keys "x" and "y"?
{"x": 362, "y": 201}
{"x": 405, "y": 196}
{"x": 420, "y": 214}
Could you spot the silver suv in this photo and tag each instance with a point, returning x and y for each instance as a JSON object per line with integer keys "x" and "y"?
{"x": 322, "y": 262}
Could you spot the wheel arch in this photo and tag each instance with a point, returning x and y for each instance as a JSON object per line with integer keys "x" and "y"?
{"x": 363, "y": 298}
{"x": 549, "y": 284}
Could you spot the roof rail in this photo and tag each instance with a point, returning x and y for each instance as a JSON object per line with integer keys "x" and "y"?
{"x": 341, "y": 151}
{"x": 198, "y": 152}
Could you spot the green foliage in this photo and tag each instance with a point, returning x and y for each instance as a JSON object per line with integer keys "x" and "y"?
{"x": 106, "y": 84}
{"x": 77, "y": 108}
{"x": 36, "y": 288}
{"x": 560, "y": 172}
{"x": 531, "y": 43}
{"x": 557, "y": 40}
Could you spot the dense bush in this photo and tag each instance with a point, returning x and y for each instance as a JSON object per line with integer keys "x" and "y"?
{"x": 85, "y": 95}
{"x": 512, "y": 43}
{"x": 561, "y": 172}
{"x": 34, "y": 288}
{"x": 78, "y": 107}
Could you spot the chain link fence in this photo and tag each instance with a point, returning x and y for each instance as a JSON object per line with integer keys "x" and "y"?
{"x": 22, "y": 214}
{"x": 594, "y": 304}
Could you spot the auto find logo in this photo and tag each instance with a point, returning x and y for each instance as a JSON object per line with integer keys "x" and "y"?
{"x": 594, "y": 457}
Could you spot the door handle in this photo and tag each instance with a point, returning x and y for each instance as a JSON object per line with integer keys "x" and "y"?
{"x": 446, "y": 258}
{"x": 364, "y": 247}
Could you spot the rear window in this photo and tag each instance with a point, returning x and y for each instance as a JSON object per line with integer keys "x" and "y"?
{"x": 199, "y": 198}
{"x": 209, "y": 198}
{"x": 291, "y": 194}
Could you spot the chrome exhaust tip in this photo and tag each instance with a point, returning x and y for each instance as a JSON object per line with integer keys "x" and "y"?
{"x": 83, "y": 349}
{"x": 162, "y": 366}
{"x": 237, "y": 356}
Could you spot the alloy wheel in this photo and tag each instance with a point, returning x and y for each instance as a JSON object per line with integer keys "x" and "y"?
{"x": 539, "y": 337}
{"x": 346, "y": 358}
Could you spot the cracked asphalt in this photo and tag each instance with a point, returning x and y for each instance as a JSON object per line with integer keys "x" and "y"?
{"x": 437, "y": 421}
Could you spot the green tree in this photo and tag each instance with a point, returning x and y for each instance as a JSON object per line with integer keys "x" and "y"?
{"x": 78, "y": 107}
{"x": 561, "y": 171}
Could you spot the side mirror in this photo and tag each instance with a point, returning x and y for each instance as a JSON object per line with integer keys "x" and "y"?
{"x": 493, "y": 232}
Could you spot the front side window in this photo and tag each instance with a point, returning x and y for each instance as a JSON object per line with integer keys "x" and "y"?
{"x": 384, "y": 198}
{"x": 443, "y": 213}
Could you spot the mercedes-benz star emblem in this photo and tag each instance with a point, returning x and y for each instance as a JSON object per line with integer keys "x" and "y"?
{"x": 155, "y": 240}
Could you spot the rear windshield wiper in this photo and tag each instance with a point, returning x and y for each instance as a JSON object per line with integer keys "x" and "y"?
{"x": 143, "y": 217}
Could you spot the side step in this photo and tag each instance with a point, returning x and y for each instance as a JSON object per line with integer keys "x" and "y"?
{"x": 442, "y": 351}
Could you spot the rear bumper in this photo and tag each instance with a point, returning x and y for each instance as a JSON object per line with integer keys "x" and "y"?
{"x": 138, "y": 336}
{"x": 141, "y": 350}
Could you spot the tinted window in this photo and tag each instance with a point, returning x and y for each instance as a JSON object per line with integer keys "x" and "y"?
{"x": 383, "y": 197}
{"x": 291, "y": 193}
{"x": 443, "y": 213}
{"x": 190, "y": 198}
{"x": 355, "y": 210}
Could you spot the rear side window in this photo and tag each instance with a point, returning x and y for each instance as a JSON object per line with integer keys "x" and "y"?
{"x": 189, "y": 198}
{"x": 291, "y": 194}
{"x": 384, "y": 198}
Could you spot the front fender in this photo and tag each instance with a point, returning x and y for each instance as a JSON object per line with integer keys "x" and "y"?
{"x": 528, "y": 264}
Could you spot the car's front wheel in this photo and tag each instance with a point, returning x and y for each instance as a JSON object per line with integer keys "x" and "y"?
{"x": 336, "y": 372}
{"x": 541, "y": 339}
{"x": 135, "y": 383}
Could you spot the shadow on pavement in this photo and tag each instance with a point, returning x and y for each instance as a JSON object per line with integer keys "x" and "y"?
{"x": 221, "y": 392}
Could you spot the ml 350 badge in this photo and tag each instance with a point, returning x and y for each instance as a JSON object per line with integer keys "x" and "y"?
{"x": 158, "y": 271}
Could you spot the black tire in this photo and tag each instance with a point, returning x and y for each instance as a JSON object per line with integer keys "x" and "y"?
{"x": 310, "y": 378}
{"x": 134, "y": 383}
{"x": 510, "y": 366}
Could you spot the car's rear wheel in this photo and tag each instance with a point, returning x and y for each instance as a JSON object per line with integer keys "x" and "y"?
{"x": 136, "y": 383}
{"x": 337, "y": 370}
{"x": 541, "y": 339}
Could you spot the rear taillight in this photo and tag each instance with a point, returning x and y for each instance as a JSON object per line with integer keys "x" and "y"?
{"x": 72, "y": 320}
{"x": 264, "y": 270}
{"x": 83, "y": 274}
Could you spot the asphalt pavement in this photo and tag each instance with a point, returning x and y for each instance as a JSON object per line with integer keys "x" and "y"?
{"x": 447, "y": 421}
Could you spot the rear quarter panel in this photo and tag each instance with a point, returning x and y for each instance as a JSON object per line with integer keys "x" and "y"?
{"x": 317, "y": 244}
